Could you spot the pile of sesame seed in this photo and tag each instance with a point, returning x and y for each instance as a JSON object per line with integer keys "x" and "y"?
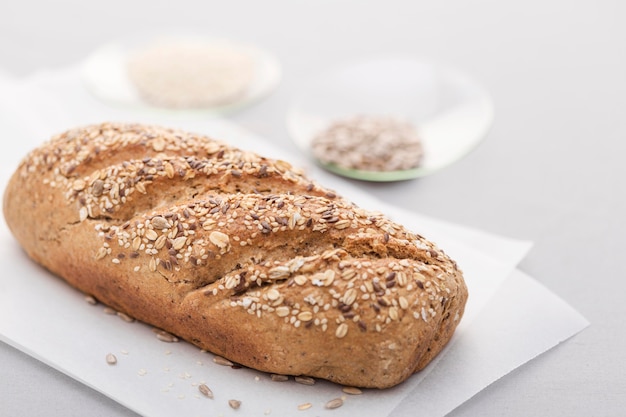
{"x": 190, "y": 73}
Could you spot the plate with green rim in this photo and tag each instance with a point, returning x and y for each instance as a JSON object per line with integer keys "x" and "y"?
{"x": 450, "y": 111}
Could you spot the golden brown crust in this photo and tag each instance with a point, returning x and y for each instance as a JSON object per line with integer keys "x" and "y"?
{"x": 238, "y": 254}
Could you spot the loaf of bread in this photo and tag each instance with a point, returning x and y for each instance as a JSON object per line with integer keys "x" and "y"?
{"x": 238, "y": 254}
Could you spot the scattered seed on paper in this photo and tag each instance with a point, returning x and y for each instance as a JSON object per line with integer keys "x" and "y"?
{"x": 305, "y": 380}
{"x": 279, "y": 378}
{"x": 335, "y": 403}
{"x": 305, "y": 406}
{"x": 125, "y": 317}
{"x": 205, "y": 390}
{"x": 111, "y": 359}
{"x": 166, "y": 337}
{"x": 352, "y": 390}
{"x": 222, "y": 361}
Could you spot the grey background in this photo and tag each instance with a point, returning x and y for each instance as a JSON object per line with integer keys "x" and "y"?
{"x": 551, "y": 169}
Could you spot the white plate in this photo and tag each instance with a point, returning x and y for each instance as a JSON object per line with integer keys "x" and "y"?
{"x": 451, "y": 112}
{"x": 104, "y": 73}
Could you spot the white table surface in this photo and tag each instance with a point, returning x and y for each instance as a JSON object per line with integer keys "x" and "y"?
{"x": 551, "y": 170}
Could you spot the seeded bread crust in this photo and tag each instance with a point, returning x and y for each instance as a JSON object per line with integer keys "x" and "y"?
{"x": 241, "y": 255}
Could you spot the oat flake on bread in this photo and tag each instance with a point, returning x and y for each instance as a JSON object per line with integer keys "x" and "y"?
{"x": 238, "y": 254}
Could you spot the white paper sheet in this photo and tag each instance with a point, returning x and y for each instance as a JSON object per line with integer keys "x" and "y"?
{"x": 42, "y": 316}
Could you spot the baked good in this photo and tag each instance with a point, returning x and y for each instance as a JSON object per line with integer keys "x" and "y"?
{"x": 238, "y": 254}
